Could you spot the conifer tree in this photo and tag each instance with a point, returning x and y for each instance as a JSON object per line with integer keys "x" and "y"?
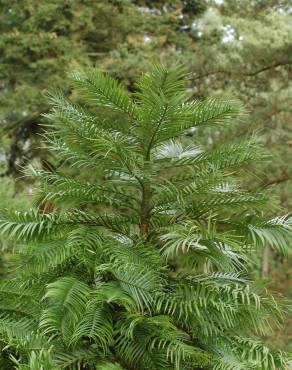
{"x": 145, "y": 265}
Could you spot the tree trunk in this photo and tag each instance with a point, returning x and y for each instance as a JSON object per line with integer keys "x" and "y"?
{"x": 145, "y": 208}
{"x": 266, "y": 262}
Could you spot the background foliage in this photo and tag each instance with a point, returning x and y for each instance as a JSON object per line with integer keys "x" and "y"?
{"x": 237, "y": 48}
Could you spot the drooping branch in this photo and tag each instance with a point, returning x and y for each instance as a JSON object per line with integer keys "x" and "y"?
{"x": 277, "y": 181}
{"x": 246, "y": 74}
{"x": 266, "y": 68}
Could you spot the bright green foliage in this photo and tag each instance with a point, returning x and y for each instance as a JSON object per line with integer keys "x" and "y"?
{"x": 145, "y": 266}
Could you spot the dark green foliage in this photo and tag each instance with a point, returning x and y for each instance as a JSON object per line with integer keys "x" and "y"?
{"x": 144, "y": 266}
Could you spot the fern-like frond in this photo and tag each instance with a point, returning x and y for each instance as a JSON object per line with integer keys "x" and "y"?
{"x": 209, "y": 112}
{"x": 75, "y": 359}
{"x": 11, "y": 328}
{"x": 230, "y": 305}
{"x": 276, "y": 232}
{"x": 37, "y": 361}
{"x": 96, "y": 324}
{"x": 224, "y": 156}
{"x": 158, "y": 335}
{"x": 101, "y": 89}
{"x": 139, "y": 282}
{"x": 31, "y": 225}
{"x": 243, "y": 353}
{"x": 194, "y": 243}
{"x": 69, "y": 293}
{"x": 66, "y": 303}
{"x": 204, "y": 203}
{"x": 160, "y": 96}
{"x": 18, "y": 299}
{"x": 212, "y": 111}
{"x": 63, "y": 186}
{"x": 64, "y": 110}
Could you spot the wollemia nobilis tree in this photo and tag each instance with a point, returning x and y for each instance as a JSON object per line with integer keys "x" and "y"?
{"x": 144, "y": 267}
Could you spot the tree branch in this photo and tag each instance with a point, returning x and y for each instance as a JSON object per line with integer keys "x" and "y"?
{"x": 247, "y": 74}
{"x": 275, "y": 65}
{"x": 276, "y": 181}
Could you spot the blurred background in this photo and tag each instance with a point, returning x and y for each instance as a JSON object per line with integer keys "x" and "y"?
{"x": 231, "y": 48}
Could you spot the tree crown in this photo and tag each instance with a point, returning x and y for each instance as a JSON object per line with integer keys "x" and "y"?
{"x": 143, "y": 265}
